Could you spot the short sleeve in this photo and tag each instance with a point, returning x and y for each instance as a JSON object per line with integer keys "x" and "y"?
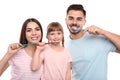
{"x": 69, "y": 56}
{"x": 10, "y": 62}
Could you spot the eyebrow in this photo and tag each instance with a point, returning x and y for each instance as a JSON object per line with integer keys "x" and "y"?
{"x": 34, "y": 28}
{"x": 77, "y": 17}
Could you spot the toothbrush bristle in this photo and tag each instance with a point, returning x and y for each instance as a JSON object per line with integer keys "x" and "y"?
{"x": 33, "y": 43}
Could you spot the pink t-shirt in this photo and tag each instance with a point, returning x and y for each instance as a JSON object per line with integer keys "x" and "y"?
{"x": 21, "y": 67}
{"x": 55, "y": 64}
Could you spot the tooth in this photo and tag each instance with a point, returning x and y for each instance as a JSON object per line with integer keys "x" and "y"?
{"x": 74, "y": 28}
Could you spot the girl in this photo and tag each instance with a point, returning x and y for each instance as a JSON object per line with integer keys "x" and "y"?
{"x": 20, "y": 57}
{"x": 55, "y": 58}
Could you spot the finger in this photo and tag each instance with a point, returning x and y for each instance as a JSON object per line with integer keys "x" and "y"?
{"x": 86, "y": 29}
{"x": 20, "y": 45}
{"x": 15, "y": 46}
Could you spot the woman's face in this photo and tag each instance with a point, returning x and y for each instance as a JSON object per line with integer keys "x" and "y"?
{"x": 33, "y": 32}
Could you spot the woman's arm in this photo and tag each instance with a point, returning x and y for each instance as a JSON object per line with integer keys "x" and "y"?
{"x": 12, "y": 49}
{"x": 4, "y": 64}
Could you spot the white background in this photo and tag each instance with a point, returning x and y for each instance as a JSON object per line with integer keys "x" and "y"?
{"x": 103, "y": 13}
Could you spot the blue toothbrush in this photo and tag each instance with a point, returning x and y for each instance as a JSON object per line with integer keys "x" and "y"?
{"x": 24, "y": 45}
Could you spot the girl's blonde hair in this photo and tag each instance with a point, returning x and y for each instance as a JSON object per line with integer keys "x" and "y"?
{"x": 55, "y": 26}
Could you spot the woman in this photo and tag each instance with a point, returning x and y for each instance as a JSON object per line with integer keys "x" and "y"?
{"x": 19, "y": 55}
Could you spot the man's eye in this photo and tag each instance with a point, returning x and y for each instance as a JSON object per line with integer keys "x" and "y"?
{"x": 70, "y": 18}
{"x": 80, "y": 19}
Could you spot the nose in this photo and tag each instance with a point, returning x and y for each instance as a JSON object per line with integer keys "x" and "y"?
{"x": 56, "y": 35}
{"x": 74, "y": 21}
{"x": 33, "y": 32}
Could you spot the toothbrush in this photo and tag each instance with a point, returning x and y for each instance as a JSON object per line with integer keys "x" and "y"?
{"x": 24, "y": 45}
{"x": 33, "y": 43}
{"x": 49, "y": 43}
{"x": 52, "y": 43}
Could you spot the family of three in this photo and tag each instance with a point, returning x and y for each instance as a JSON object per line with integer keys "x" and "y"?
{"x": 82, "y": 56}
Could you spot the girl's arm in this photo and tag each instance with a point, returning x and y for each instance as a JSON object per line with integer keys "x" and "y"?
{"x": 12, "y": 49}
{"x": 68, "y": 73}
{"x": 37, "y": 60}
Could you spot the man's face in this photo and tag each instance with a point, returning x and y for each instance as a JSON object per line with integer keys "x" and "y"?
{"x": 75, "y": 20}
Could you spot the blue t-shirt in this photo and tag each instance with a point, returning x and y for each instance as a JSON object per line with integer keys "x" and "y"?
{"x": 89, "y": 56}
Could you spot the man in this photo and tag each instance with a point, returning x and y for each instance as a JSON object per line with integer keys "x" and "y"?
{"x": 90, "y": 47}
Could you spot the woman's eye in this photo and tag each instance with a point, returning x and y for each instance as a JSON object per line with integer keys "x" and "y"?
{"x": 28, "y": 30}
{"x": 38, "y": 29}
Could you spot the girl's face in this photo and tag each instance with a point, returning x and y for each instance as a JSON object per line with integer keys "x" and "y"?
{"x": 55, "y": 36}
{"x": 33, "y": 32}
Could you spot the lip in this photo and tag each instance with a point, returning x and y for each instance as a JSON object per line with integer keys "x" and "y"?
{"x": 34, "y": 38}
{"x": 52, "y": 43}
{"x": 74, "y": 28}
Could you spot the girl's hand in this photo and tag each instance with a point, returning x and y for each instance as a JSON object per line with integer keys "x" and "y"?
{"x": 40, "y": 46}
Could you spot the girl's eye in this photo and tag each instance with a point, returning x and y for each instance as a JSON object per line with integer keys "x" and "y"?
{"x": 51, "y": 33}
{"x": 59, "y": 33}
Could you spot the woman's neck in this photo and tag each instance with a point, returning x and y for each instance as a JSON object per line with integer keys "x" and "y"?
{"x": 30, "y": 50}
